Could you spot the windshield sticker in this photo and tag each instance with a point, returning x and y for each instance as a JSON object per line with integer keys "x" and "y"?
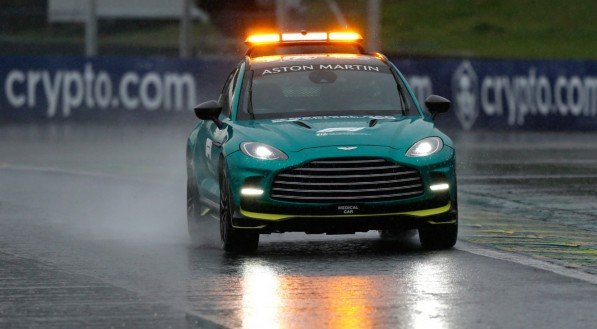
{"x": 326, "y": 117}
{"x": 343, "y": 129}
{"x": 337, "y": 67}
{"x": 340, "y": 131}
{"x": 297, "y": 58}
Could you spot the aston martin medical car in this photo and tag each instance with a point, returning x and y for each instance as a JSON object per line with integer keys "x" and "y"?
{"x": 312, "y": 134}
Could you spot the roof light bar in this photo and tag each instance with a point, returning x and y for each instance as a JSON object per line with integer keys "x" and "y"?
{"x": 314, "y": 36}
{"x": 345, "y": 36}
{"x": 259, "y": 39}
{"x": 262, "y": 38}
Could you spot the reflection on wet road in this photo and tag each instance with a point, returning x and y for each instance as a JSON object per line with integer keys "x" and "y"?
{"x": 363, "y": 282}
{"x": 92, "y": 234}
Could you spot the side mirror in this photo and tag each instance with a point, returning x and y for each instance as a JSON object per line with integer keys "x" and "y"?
{"x": 437, "y": 104}
{"x": 210, "y": 110}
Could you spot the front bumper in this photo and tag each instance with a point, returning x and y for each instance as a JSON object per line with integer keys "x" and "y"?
{"x": 267, "y": 214}
{"x": 348, "y": 224}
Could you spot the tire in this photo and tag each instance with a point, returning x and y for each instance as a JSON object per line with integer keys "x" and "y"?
{"x": 196, "y": 223}
{"x": 233, "y": 239}
{"x": 438, "y": 236}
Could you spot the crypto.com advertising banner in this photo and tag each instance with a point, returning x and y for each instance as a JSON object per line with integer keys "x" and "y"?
{"x": 76, "y": 88}
{"x": 486, "y": 94}
{"x": 510, "y": 94}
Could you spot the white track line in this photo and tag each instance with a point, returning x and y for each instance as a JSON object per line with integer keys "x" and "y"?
{"x": 494, "y": 177}
{"x": 83, "y": 173}
{"x": 527, "y": 261}
{"x": 58, "y": 171}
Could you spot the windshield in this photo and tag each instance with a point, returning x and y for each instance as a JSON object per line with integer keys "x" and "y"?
{"x": 326, "y": 89}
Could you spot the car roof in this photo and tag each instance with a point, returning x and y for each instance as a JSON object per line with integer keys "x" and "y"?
{"x": 257, "y": 63}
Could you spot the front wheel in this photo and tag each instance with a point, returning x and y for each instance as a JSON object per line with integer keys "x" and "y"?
{"x": 438, "y": 236}
{"x": 197, "y": 224}
{"x": 233, "y": 239}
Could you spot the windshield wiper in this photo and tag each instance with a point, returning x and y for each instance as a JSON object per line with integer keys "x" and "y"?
{"x": 302, "y": 124}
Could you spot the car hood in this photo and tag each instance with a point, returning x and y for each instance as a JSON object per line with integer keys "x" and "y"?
{"x": 301, "y": 133}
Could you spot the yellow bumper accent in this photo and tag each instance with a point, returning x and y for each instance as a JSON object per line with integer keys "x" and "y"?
{"x": 415, "y": 213}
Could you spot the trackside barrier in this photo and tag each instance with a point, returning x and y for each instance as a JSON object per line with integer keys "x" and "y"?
{"x": 487, "y": 94}
{"x": 510, "y": 94}
{"x": 76, "y": 88}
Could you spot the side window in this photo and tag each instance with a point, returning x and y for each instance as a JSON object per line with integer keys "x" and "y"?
{"x": 226, "y": 95}
{"x": 230, "y": 95}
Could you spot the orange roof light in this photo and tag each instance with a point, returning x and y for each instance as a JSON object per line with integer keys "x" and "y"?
{"x": 257, "y": 39}
{"x": 262, "y": 38}
{"x": 345, "y": 36}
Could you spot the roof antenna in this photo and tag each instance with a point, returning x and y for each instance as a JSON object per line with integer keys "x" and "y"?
{"x": 304, "y": 32}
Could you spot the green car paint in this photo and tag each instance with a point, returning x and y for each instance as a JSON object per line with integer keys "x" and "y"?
{"x": 305, "y": 138}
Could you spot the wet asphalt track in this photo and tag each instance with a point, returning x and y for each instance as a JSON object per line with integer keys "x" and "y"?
{"x": 92, "y": 234}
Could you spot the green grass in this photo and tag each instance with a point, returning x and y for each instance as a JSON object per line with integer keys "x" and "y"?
{"x": 491, "y": 28}
{"x": 205, "y": 37}
{"x": 164, "y": 35}
{"x": 480, "y": 28}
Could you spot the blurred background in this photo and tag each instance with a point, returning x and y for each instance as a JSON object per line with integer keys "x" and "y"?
{"x": 480, "y": 28}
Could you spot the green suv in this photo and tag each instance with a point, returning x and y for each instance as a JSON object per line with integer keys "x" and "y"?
{"x": 312, "y": 134}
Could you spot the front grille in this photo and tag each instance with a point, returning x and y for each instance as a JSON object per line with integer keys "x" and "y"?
{"x": 341, "y": 180}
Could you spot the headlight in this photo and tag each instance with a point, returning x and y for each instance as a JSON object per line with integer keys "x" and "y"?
{"x": 262, "y": 151}
{"x": 425, "y": 147}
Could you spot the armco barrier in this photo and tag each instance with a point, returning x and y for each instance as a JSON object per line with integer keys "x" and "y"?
{"x": 487, "y": 94}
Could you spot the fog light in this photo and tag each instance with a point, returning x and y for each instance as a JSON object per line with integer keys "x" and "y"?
{"x": 251, "y": 191}
{"x": 439, "y": 187}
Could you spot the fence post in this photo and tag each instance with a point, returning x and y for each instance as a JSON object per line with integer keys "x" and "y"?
{"x": 374, "y": 22}
{"x": 91, "y": 29}
{"x": 185, "y": 30}
{"x": 281, "y": 14}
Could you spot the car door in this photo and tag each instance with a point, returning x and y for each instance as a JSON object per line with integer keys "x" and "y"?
{"x": 210, "y": 140}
